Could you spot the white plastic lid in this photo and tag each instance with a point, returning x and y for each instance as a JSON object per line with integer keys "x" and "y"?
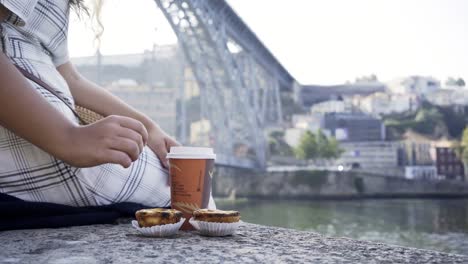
{"x": 191, "y": 153}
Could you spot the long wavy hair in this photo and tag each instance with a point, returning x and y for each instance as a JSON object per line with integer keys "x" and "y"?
{"x": 98, "y": 27}
{"x": 78, "y": 5}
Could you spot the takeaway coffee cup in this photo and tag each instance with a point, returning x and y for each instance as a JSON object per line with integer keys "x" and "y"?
{"x": 191, "y": 170}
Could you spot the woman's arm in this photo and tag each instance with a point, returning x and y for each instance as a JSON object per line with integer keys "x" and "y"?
{"x": 93, "y": 97}
{"x": 3, "y": 13}
{"x": 27, "y": 114}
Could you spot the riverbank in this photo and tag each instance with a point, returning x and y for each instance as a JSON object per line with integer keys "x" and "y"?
{"x": 304, "y": 184}
{"x": 252, "y": 244}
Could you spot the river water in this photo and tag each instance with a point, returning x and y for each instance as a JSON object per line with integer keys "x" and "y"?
{"x": 440, "y": 225}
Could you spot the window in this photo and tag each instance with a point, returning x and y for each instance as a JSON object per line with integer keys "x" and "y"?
{"x": 442, "y": 169}
{"x": 449, "y": 168}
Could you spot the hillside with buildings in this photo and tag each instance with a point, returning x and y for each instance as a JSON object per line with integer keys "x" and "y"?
{"x": 406, "y": 127}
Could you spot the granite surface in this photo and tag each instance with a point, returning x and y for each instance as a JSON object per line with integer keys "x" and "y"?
{"x": 252, "y": 244}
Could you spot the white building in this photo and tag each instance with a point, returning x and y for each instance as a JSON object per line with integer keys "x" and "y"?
{"x": 449, "y": 97}
{"x": 442, "y": 97}
{"x": 311, "y": 122}
{"x": 385, "y": 103}
{"x": 331, "y": 106}
{"x": 460, "y": 97}
{"x": 418, "y": 85}
{"x": 292, "y": 136}
{"x": 301, "y": 124}
{"x": 200, "y": 133}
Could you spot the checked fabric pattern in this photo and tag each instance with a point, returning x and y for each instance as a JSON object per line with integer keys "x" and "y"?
{"x": 34, "y": 37}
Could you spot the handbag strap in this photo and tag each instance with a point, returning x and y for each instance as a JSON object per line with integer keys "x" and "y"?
{"x": 51, "y": 90}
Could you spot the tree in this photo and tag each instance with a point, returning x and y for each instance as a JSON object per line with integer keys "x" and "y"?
{"x": 460, "y": 82}
{"x": 428, "y": 120}
{"x": 307, "y": 148}
{"x": 455, "y": 82}
{"x": 365, "y": 79}
{"x": 450, "y": 81}
{"x": 314, "y": 146}
{"x": 278, "y": 145}
{"x": 322, "y": 143}
{"x": 333, "y": 150}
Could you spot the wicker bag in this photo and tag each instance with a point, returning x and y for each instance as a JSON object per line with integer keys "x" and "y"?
{"x": 87, "y": 116}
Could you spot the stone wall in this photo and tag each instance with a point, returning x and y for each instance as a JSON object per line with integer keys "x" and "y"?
{"x": 324, "y": 184}
{"x": 96, "y": 244}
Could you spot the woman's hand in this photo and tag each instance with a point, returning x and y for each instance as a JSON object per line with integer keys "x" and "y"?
{"x": 114, "y": 139}
{"x": 160, "y": 143}
{"x": 99, "y": 100}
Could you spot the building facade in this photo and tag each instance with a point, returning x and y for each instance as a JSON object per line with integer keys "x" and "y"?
{"x": 354, "y": 127}
{"x": 148, "y": 81}
{"x": 448, "y": 164}
{"x": 331, "y": 106}
{"x": 418, "y": 85}
{"x": 421, "y": 172}
{"x": 385, "y": 103}
{"x": 158, "y": 103}
{"x": 412, "y": 153}
{"x": 373, "y": 156}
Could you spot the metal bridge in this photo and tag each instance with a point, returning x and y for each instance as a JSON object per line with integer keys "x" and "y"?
{"x": 238, "y": 78}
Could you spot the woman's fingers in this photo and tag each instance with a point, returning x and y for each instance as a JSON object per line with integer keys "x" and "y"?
{"x": 127, "y": 146}
{"x": 118, "y": 157}
{"x": 163, "y": 147}
{"x": 133, "y": 124}
{"x": 132, "y": 135}
{"x": 161, "y": 152}
{"x": 128, "y": 139}
{"x": 170, "y": 142}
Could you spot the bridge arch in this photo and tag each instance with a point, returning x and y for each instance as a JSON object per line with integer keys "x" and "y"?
{"x": 238, "y": 78}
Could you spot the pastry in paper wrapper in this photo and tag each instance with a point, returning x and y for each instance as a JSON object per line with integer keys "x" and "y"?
{"x": 213, "y": 228}
{"x": 215, "y": 215}
{"x": 159, "y": 230}
{"x": 157, "y": 216}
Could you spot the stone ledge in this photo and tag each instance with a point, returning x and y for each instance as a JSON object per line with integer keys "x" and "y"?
{"x": 252, "y": 244}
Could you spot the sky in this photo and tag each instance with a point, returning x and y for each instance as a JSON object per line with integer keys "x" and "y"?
{"x": 317, "y": 41}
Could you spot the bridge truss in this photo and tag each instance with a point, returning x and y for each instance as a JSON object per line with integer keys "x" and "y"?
{"x": 239, "y": 80}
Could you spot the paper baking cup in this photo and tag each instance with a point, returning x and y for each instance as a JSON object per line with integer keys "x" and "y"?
{"x": 158, "y": 230}
{"x": 214, "y": 229}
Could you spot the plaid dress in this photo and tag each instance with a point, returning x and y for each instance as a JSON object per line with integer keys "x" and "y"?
{"x": 34, "y": 37}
